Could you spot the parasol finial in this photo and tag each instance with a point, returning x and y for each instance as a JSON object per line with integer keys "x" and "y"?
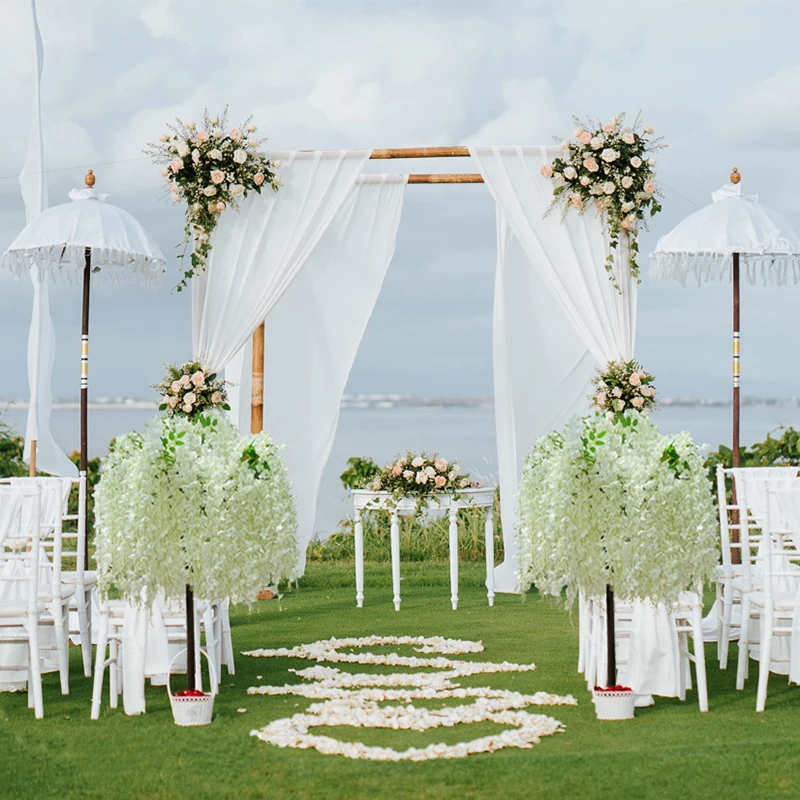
{"x": 89, "y": 179}
{"x": 735, "y": 176}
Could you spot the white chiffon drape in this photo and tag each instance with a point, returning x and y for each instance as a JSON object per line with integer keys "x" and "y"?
{"x": 557, "y": 317}
{"x": 259, "y": 251}
{"x": 312, "y": 335}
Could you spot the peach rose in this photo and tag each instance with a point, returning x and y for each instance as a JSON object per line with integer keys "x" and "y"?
{"x": 185, "y": 380}
{"x": 397, "y": 470}
{"x": 176, "y": 164}
{"x": 217, "y": 176}
{"x": 186, "y": 408}
{"x": 440, "y": 481}
{"x": 220, "y": 206}
{"x": 202, "y": 136}
{"x": 585, "y": 138}
{"x": 637, "y": 402}
{"x": 235, "y": 134}
{"x": 590, "y": 164}
{"x": 649, "y": 187}
{"x": 546, "y": 170}
{"x": 635, "y": 379}
{"x": 216, "y": 397}
{"x": 258, "y": 178}
{"x": 172, "y": 402}
{"x": 625, "y": 225}
{"x": 176, "y": 386}
{"x": 189, "y": 398}
{"x": 440, "y": 464}
{"x": 198, "y": 378}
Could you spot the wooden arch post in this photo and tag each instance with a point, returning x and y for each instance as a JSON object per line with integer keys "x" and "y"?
{"x": 458, "y": 151}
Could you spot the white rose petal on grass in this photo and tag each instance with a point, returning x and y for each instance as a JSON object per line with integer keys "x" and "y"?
{"x": 241, "y": 710}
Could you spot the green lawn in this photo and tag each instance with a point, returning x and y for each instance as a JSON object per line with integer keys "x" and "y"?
{"x": 669, "y": 750}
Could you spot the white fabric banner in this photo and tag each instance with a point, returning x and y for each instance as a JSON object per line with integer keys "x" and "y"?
{"x": 259, "y": 251}
{"x": 557, "y": 316}
{"x": 50, "y": 457}
{"x": 312, "y": 335}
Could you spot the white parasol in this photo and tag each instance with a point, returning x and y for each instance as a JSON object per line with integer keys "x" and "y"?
{"x": 732, "y": 234}
{"x": 76, "y": 239}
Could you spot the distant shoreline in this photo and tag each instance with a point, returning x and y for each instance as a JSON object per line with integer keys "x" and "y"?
{"x": 390, "y": 401}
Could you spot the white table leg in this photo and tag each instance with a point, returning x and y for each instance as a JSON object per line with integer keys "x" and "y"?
{"x": 454, "y": 556}
{"x": 396, "y": 559}
{"x": 489, "y": 533}
{"x": 359, "y": 561}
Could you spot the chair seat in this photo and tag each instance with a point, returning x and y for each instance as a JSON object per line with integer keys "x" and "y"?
{"x": 784, "y": 601}
{"x": 89, "y": 577}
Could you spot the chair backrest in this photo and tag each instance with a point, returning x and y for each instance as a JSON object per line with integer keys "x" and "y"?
{"x": 780, "y": 559}
{"x": 20, "y": 526}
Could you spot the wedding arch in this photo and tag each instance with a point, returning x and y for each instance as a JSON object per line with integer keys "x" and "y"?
{"x": 283, "y": 269}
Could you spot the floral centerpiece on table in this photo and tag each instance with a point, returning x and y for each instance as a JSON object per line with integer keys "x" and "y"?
{"x": 611, "y": 168}
{"x": 623, "y": 385}
{"x": 419, "y": 475}
{"x": 190, "y": 389}
{"x": 212, "y": 168}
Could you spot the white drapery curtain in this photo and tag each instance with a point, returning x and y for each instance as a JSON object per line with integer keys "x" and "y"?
{"x": 312, "y": 335}
{"x": 259, "y": 251}
{"x": 50, "y": 457}
{"x": 557, "y": 316}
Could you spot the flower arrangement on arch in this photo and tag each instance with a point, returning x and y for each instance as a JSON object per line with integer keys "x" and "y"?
{"x": 621, "y": 386}
{"x": 212, "y": 168}
{"x": 420, "y": 475}
{"x": 189, "y": 389}
{"x": 610, "y": 166}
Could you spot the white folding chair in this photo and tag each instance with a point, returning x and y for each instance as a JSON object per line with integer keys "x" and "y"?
{"x": 688, "y": 616}
{"x": 772, "y": 601}
{"x": 21, "y": 609}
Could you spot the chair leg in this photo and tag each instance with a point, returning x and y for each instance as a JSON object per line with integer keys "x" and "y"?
{"x": 227, "y": 641}
{"x": 100, "y": 665}
{"x": 700, "y": 657}
{"x": 725, "y": 628}
{"x": 35, "y": 667}
{"x": 743, "y": 667}
{"x": 113, "y": 677}
{"x": 61, "y": 633}
{"x": 765, "y": 657}
{"x": 84, "y": 600}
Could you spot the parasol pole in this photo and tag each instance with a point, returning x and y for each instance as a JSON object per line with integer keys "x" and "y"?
{"x": 735, "y": 178}
{"x": 84, "y": 468}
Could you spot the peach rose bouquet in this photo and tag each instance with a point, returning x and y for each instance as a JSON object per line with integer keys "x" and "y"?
{"x": 623, "y": 386}
{"x": 212, "y": 168}
{"x": 609, "y": 167}
{"x": 189, "y": 389}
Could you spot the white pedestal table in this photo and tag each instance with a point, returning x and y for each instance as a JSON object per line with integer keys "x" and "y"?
{"x": 365, "y": 500}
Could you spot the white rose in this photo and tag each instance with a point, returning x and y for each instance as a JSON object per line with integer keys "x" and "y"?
{"x": 182, "y": 149}
{"x": 570, "y": 173}
{"x": 609, "y": 187}
{"x": 430, "y": 472}
{"x": 236, "y": 190}
{"x": 214, "y": 120}
{"x": 626, "y": 207}
{"x": 251, "y": 128}
{"x": 164, "y": 170}
{"x": 627, "y": 182}
{"x": 636, "y": 162}
{"x": 215, "y": 154}
{"x": 408, "y": 474}
{"x": 196, "y": 156}
{"x": 163, "y": 138}
{"x": 565, "y": 144}
{"x": 240, "y": 156}
{"x": 628, "y": 138}
{"x": 647, "y": 129}
{"x": 577, "y": 132}
{"x": 616, "y": 391}
{"x": 596, "y": 143}
{"x": 417, "y": 462}
{"x": 217, "y": 133}
{"x": 608, "y": 155}
{"x": 585, "y": 180}
{"x": 422, "y": 477}
{"x": 619, "y": 404}
{"x": 210, "y": 191}
{"x": 651, "y": 162}
{"x": 187, "y": 409}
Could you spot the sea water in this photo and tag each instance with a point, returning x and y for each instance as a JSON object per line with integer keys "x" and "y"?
{"x": 464, "y": 434}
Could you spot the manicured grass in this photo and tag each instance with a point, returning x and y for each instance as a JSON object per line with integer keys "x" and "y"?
{"x": 669, "y": 750}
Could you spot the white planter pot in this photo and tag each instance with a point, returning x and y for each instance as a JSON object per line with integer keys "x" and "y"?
{"x": 613, "y": 705}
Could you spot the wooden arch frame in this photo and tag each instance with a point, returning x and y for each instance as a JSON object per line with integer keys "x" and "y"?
{"x": 458, "y": 151}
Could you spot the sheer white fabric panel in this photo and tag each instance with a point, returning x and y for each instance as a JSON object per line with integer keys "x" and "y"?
{"x": 259, "y": 250}
{"x": 541, "y": 377}
{"x": 553, "y": 330}
{"x": 312, "y": 335}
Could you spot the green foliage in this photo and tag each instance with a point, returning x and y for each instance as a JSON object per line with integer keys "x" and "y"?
{"x": 11, "y": 447}
{"x": 359, "y": 472}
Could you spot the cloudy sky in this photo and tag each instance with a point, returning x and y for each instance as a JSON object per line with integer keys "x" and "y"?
{"x": 720, "y": 79}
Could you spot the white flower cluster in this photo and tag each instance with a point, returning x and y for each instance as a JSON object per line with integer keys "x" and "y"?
{"x": 193, "y": 501}
{"x": 615, "y": 502}
{"x": 348, "y": 705}
{"x": 609, "y": 166}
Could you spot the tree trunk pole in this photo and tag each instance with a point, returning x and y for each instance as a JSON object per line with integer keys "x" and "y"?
{"x": 611, "y": 673}
{"x": 257, "y": 388}
{"x": 87, "y": 280}
{"x": 190, "y": 643}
